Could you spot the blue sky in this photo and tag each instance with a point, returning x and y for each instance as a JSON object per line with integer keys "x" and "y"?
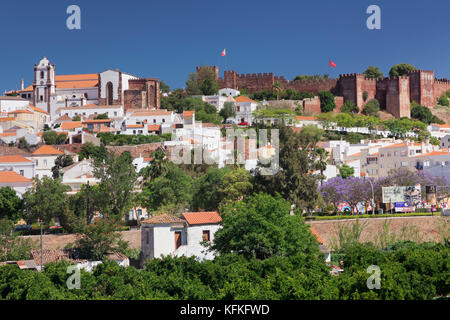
{"x": 168, "y": 38}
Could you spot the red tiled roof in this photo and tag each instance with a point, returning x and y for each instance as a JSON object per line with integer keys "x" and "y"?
{"x": 153, "y": 127}
{"x": 11, "y": 176}
{"x": 47, "y": 150}
{"x": 206, "y": 217}
{"x": 434, "y": 153}
{"x": 69, "y": 125}
{"x": 188, "y": 113}
{"x": 13, "y": 158}
{"x": 243, "y": 99}
{"x": 34, "y": 108}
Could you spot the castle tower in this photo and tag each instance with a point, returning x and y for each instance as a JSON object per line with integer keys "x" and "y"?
{"x": 421, "y": 87}
{"x": 44, "y": 84}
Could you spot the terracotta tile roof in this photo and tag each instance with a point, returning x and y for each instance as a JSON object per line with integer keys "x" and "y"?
{"x": 148, "y": 159}
{"x": 206, "y": 217}
{"x": 13, "y": 158}
{"x": 135, "y": 125}
{"x": 433, "y": 153}
{"x": 207, "y": 125}
{"x": 34, "y": 108}
{"x": 7, "y": 150}
{"x": 305, "y": 118}
{"x": 314, "y": 232}
{"x": 401, "y": 144}
{"x": 188, "y": 113}
{"x": 70, "y": 125}
{"x": 243, "y": 99}
{"x": 6, "y": 119}
{"x": 354, "y": 154}
{"x": 163, "y": 219}
{"x": 441, "y": 125}
{"x": 76, "y": 81}
{"x": 7, "y": 134}
{"x": 46, "y": 150}
{"x": 64, "y": 117}
{"x": 20, "y": 111}
{"x": 11, "y": 176}
{"x": 153, "y": 127}
{"x": 92, "y": 106}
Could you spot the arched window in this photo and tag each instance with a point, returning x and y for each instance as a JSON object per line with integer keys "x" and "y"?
{"x": 109, "y": 93}
{"x": 42, "y": 74}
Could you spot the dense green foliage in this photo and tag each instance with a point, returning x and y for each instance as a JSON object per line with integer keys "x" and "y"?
{"x": 373, "y": 73}
{"x": 349, "y": 107}
{"x": 202, "y": 83}
{"x": 424, "y": 114}
{"x": 53, "y": 137}
{"x": 327, "y": 103}
{"x": 10, "y": 204}
{"x": 443, "y": 100}
{"x": 401, "y": 69}
{"x": 372, "y": 108}
{"x": 111, "y": 139}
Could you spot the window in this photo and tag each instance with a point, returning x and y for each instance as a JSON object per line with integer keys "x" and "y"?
{"x": 389, "y": 154}
{"x": 163, "y": 120}
{"x": 206, "y": 237}
{"x": 177, "y": 239}
{"x": 395, "y": 153}
{"x": 37, "y": 162}
{"x": 134, "y": 131}
{"x": 42, "y": 74}
{"x": 41, "y": 98}
{"x": 411, "y": 152}
{"x": 404, "y": 164}
{"x": 115, "y": 113}
{"x": 381, "y": 155}
{"x": 140, "y": 131}
{"x": 147, "y": 236}
{"x": 154, "y": 120}
{"x": 21, "y": 172}
{"x": 45, "y": 162}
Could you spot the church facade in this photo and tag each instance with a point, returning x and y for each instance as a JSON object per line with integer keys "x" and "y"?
{"x": 51, "y": 92}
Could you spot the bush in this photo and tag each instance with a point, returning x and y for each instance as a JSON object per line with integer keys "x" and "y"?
{"x": 349, "y": 107}
{"x": 326, "y": 101}
{"x": 443, "y": 100}
{"x": 371, "y": 108}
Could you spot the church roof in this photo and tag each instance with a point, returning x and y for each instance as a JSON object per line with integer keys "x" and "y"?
{"x": 88, "y": 80}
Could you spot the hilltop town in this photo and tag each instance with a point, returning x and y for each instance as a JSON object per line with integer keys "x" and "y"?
{"x": 232, "y": 164}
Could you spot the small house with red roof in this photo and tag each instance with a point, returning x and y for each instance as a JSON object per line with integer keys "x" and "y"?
{"x": 167, "y": 234}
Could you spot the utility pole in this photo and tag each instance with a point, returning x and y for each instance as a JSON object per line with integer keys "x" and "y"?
{"x": 42, "y": 251}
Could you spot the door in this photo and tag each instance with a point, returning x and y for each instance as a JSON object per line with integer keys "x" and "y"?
{"x": 177, "y": 239}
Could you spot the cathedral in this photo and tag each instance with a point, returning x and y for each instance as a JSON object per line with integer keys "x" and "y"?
{"x": 111, "y": 87}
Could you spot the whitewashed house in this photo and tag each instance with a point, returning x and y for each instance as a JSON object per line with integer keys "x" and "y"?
{"x": 78, "y": 174}
{"x": 166, "y": 234}
{"x": 12, "y": 179}
{"x": 19, "y": 164}
{"x": 244, "y": 109}
{"x": 44, "y": 158}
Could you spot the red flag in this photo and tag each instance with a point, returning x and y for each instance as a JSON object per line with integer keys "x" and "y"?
{"x": 332, "y": 64}
{"x": 223, "y": 53}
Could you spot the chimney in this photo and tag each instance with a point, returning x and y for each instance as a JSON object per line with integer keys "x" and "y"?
{"x": 22, "y": 84}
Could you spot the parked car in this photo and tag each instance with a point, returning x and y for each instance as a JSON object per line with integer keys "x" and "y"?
{"x": 22, "y": 227}
{"x": 243, "y": 124}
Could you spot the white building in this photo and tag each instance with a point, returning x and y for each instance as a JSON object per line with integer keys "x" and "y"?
{"x": 19, "y": 164}
{"x": 166, "y": 234}
{"x": 9, "y": 104}
{"x": 244, "y": 109}
{"x": 78, "y": 174}
{"x": 445, "y": 141}
{"x": 89, "y": 110}
{"x": 44, "y": 159}
{"x": 16, "y": 181}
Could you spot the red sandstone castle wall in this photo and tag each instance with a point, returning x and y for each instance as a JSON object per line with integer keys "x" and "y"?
{"x": 339, "y": 101}
{"x": 439, "y": 87}
{"x": 311, "y": 105}
{"x": 421, "y": 87}
{"x": 397, "y": 97}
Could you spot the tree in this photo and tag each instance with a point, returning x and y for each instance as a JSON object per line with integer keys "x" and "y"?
{"x": 101, "y": 116}
{"x": 202, "y": 83}
{"x": 373, "y": 73}
{"x": 346, "y": 171}
{"x": 365, "y": 96}
{"x": 13, "y": 247}
{"x": 292, "y": 179}
{"x": 207, "y": 189}
{"x": 46, "y": 199}
{"x": 261, "y": 227}
{"x": 10, "y": 204}
{"x": 236, "y": 185}
{"x": 424, "y": 114}
{"x": 228, "y": 111}
{"x": 277, "y": 88}
{"x": 49, "y": 137}
{"x": 76, "y": 118}
{"x": 401, "y": 69}
{"x": 100, "y": 238}
{"x": 61, "y": 161}
{"x": 172, "y": 190}
{"x": 97, "y": 153}
{"x": 164, "y": 87}
{"x": 443, "y": 100}
{"x": 327, "y": 103}
{"x": 117, "y": 182}
{"x": 349, "y": 107}
{"x": 372, "y": 108}
{"x": 322, "y": 160}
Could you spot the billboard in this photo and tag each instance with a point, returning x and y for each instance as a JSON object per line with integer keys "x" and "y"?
{"x": 409, "y": 194}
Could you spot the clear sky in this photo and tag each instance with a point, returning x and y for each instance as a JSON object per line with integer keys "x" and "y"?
{"x": 168, "y": 38}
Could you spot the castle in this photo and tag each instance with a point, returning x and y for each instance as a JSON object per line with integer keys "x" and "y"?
{"x": 395, "y": 94}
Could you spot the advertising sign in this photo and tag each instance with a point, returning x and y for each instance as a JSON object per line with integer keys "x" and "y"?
{"x": 397, "y": 194}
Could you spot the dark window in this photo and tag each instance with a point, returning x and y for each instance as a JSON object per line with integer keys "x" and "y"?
{"x": 206, "y": 235}
{"x": 177, "y": 239}
{"x": 109, "y": 93}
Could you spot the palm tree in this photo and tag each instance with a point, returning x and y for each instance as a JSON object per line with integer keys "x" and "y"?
{"x": 322, "y": 161}
{"x": 277, "y": 88}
